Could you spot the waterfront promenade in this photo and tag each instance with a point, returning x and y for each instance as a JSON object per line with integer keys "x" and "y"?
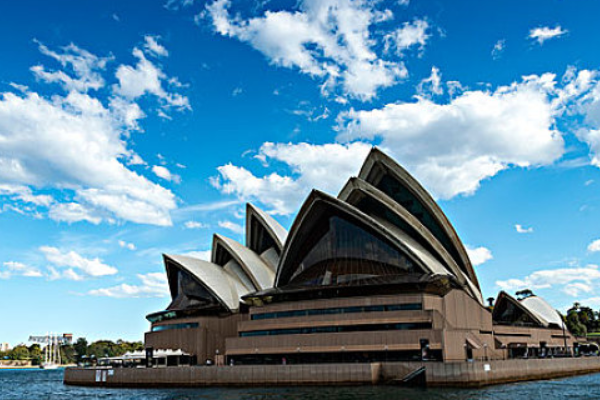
{"x": 464, "y": 374}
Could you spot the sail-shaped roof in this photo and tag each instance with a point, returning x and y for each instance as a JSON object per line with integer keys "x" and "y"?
{"x": 225, "y": 288}
{"x": 380, "y": 206}
{"x": 389, "y": 177}
{"x": 544, "y": 311}
{"x": 259, "y": 223}
{"x": 355, "y": 241}
{"x": 224, "y": 249}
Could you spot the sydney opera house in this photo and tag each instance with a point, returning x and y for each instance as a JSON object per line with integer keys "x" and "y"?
{"x": 376, "y": 274}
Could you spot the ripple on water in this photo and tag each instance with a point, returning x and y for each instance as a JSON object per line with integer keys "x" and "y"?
{"x": 39, "y": 384}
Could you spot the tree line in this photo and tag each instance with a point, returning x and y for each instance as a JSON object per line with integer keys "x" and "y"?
{"x": 73, "y": 353}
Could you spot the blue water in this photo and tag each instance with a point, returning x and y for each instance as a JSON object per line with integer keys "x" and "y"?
{"x": 47, "y": 385}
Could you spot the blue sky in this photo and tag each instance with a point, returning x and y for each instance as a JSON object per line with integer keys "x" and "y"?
{"x": 129, "y": 129}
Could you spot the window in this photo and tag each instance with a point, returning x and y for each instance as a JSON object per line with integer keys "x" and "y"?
{"x": 339, "y": 252}
{"x": 341, "y": 310}
{"x": 189, "y": 325}
{"x": 334, "y": 329}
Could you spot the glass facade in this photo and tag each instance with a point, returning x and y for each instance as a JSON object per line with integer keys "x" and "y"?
{"x": 334, "y": 329}
{"x": 158, "y": 328}
{"x": 190, "y": 294}
{"x": 339, "y": 310}
{"x": 340, "y": 252}
{"x": 507, "y": 312}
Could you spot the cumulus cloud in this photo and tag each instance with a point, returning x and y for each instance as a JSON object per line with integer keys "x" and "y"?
{"x": 498, "y": 49}
{"x": 153, "y": 284}
{"x": 573, "y": 280}
{"x": 521, "y": 229}
{"x": 479, "y": 255}
{"x": 164, "y": 173}
{"x": 13, "y": 268}
{"x": 145, "y": 78}
{"x": 310, "y": 166}
{"x": 543, "y": 33}
{"x": 93, "y": 267}
{"x": 594, "y": 246}
{"x": 451, "y": 147}
{"x": 153, "y": 47}
{"x": 411, "y": 34}
{"x": 77, "y": 144}
{"x": 126, "y": 245}
{"x": 328, "y": 40}
{"x": 194, "y": 225}
{"x": 85, "y": 67}
{"x": 431, "y": 86}
{"x": 232, "y": 226}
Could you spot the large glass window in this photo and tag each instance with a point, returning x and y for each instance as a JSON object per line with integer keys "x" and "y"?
{"x": 339, "y": 310}
{"x": 334, "y": 329}
{"x": 158, "y": 328}
{"x": 339, "y": 252}
{"x": 508, "y": 313}
{"x": 190, "y": 293}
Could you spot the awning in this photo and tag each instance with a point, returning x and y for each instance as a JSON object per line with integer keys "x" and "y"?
{"x": 473, "y": 343}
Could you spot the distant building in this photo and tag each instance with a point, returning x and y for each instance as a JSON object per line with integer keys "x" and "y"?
{"x": 4, "y": 347}
{"x": 67, "y": 338}
{"x": 375, "y": 274}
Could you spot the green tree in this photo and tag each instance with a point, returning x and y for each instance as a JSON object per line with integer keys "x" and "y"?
{"x": 20, "y": 352}
{"x": 81, "y": 348}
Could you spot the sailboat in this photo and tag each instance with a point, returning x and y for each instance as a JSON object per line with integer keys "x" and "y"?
{"x": 52, "y": 358}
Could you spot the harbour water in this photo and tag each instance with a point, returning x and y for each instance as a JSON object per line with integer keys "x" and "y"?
{"x": 47, "y": 385}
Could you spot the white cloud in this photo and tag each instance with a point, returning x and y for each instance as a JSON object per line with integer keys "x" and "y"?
{"x": 329, "y": 40}
{"x": 73, "y": 212}
{"x": 521, "y": 229}
{"x": 431, "y": 86}
{"x": 232, "y": 226}
{"x": 153, "y": 284}
{"x": 543, "y": 33}
{"x": 498, "y": 49}
{"x": 575, "y": 289}
{"x": 146, "y": 78}
{"x": 452, "y": 147}
{"x": 152, "y": 46}
{"x": 194, "y": 225}
{"x": 409, "y": 35}
{"x": 545, "y": 279}
{"x": 310, "y": 167}
{"x": 479, "y": 255}
{"x": 25, "y": 195}
{"x": 127, "y": 245}
{"x": 164, "y": 173}
{"x": 594, "y": 246}
{"x": 43, "y": 140}
{"x": 202, "y": 255}
{"x": 13, "y": 268}
{"x": 85, "y": 66}
{"x": 91, "y": 267}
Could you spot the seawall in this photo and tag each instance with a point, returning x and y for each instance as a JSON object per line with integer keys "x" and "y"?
{"x": 463, "y": 374}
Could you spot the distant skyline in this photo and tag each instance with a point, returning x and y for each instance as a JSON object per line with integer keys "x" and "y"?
{"x": 132, "y": 129}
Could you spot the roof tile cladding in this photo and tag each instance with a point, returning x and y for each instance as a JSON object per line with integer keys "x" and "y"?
{"x": 350, "y": 241}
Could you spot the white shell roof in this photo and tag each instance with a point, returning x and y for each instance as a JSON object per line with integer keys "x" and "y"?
{"x": 271, "y": 225}
{"x": 258, "y": 271}
{"x": 226, "y": 287}
{"x": 544, "y": 311}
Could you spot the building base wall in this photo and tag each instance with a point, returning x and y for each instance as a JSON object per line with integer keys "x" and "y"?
{"x": 459, "y": 374}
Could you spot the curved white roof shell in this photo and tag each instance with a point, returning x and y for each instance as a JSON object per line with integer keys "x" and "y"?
{"x": 395, "y": 236}
{"x": 379, "y": 164}
{"x": 255, "y": 267}
{"x": 356, "y": 186}
{"x": 274, "y": 228}
{"x": 544, "y": 311}
{"x": 225, "y": 287}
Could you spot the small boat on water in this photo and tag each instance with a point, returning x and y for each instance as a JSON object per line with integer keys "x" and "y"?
{"x": 52, "y": 359}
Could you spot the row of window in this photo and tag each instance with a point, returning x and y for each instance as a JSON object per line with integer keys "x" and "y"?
{"x": 335, "y": 329}
{"x": 158, "y": 328}
{"x": 341, "y": 310}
